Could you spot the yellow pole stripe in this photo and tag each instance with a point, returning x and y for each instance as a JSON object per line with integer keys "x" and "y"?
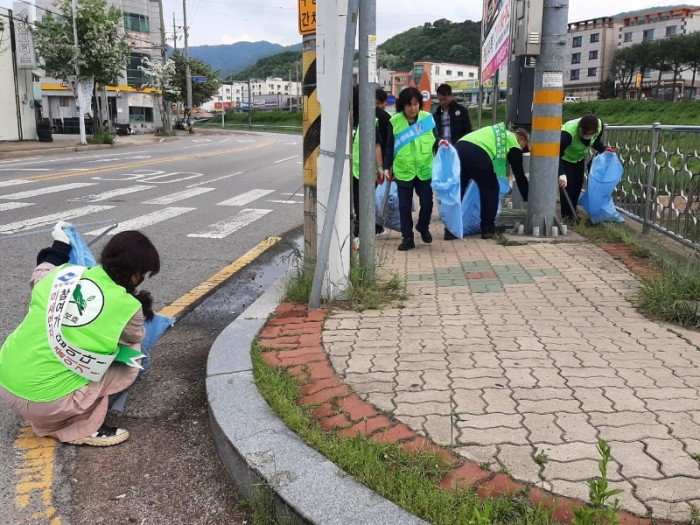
{"x": 549, "y": 96}
{"x": 550, "y": 149}
{"x": 207, "y": 287}
{"x": 35, "y": 471}
{"x": 148, "y": 162}
{"x": 546, "y": 123}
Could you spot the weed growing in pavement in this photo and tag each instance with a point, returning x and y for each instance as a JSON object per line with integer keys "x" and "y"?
{"x": 696, "y": 457}
{"x": 694, "y": 514}
{"x": 261, "y": 505}
{"x": 161, "y": 133}
{"x": 411, "y": 480}
{"x": 673, "y": 295}
{"x": 505, "y": 241}
{"x": 541, "y": 458}
{"x": 601, "y": 511}
{"x": 101, "y": 136}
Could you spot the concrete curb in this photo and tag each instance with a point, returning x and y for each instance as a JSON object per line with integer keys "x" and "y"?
{"x": 257, "y": 448}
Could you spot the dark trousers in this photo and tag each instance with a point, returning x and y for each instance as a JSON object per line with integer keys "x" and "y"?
{"x": 476, "y": 165}
{"x": 355, "y": 221}
{"x": 574, "y": 185}
{"x": 425, "y": 200}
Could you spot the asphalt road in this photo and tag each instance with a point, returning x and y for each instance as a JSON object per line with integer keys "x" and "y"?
{"x": 204, "y": 201}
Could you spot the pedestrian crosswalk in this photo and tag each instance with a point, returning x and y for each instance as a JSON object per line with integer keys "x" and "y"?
{"x": 173, "y": 205}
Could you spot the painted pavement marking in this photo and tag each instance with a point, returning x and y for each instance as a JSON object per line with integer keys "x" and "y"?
{"x": 245, "y": 198}
{"x": 232, "y": 224}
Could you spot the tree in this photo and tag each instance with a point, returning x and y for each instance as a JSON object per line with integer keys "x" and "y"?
{"x": 624, "y": 67}
{"x": 102, "y": 50}
{"x": 160, "y": 76}
{"x": 201, "y": 91}
{"x": 692, "y": 51}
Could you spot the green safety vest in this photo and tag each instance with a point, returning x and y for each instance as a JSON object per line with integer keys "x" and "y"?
{"x": 577, "y": 150}
{"x": 485, "y": 138}
{"x": 356, "y": 152}
{"x": 28, "y": 367}
{"x": 416, "y": 158}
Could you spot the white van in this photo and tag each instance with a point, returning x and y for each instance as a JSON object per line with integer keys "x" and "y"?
{"x": 571, "y": 99}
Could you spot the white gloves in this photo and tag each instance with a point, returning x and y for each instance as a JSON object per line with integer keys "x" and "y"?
{"x": 58, "y": 234}
{"x": 562, "y": 181}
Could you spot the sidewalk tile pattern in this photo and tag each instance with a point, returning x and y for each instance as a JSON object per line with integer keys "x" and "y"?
{"x": 505, "y": 352}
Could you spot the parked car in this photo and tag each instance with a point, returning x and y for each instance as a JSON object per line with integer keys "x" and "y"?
{"x": 568, "y": 100}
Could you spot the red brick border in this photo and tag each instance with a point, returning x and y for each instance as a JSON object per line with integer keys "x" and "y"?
{"x": 292, "y": 341}
{"x": 642, "y": 267}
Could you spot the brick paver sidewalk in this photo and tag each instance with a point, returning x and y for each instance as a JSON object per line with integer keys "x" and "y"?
{"x": 509, "y": 352}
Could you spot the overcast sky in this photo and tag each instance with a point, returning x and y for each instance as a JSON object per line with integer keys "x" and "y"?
{"x": 229, "y": 21}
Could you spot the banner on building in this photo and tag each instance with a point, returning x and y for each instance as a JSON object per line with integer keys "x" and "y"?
{"x": 23, "y": 17}
{"x": 496, "y": 46}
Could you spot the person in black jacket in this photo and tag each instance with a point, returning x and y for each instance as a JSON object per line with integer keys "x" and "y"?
{"x": 451, "y": 119}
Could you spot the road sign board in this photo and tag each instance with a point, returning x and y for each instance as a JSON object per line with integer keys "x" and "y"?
{"x": 307, "y": 17}
{"x": 391, "y": 100}
{"x": 199, "y": 80}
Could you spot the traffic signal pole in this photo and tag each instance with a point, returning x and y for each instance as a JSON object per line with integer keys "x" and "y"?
{"x": 546, "y": 121}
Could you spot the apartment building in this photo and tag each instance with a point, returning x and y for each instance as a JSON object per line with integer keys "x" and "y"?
{"x": 126, "y": 102}
{"x": 657, "y": 25}
{"x": 590, "y": 50}
{"x": 273, "y": 92}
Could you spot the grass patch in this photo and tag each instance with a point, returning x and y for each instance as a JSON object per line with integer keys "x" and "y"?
{"x": 261, "y": 505}
{"x": 409, "y": 480}
{"x": 505, "y": 241}
{"x": 101, "y": 136}
{"x": 161, "y": 133}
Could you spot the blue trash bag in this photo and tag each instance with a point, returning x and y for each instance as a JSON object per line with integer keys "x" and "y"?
{"x": 471, "y": 206}
{"x": 445, "y": 183}
{"x": 80, "y": 252}
{"x": 155, "y": 328}
{"x": 606, "y": 173}
{"x": 393, "y": 218}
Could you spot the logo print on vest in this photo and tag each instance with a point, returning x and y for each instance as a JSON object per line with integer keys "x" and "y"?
{"x": 85, "y": 305}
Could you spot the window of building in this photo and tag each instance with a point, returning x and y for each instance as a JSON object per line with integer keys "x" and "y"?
{"x": 471, "y": 75}
{"x": 460, "y": 73}
{"x": 595, "y": 37}
{"x": 592, "y": 71}
{"x": 648, "y": 35}
{"x": 136, "y": 22}
{"x": 64, "y": 102}
{"x": 647, "y": 73}
{"x": 417, "y": 72}
{"x": 671, "y": 30}
{"x": 576, "y": 58}
{"x": 628, "y": 36}
{"x": 575, "y": 74}
{"x": 577, "y": 41}
{"x": 437, "y": 70}
{"x": 593, "y": 55}
{"x": 140, "y": 114}
{"x": 134, "y": 76}
{"x": 448, "y": 72}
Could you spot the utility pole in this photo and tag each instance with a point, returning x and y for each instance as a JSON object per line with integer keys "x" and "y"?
{"x": 546, "y": 120}
{"x": 76, "y": 47}
{"x": 174, "y": 33}
{"x": 250, "y": 107}
{"x": 165, "y": 106}
{"x": 188, "y": 72}
{"x": 366, "y": 128}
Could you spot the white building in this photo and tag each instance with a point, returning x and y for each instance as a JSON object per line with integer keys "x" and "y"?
{"x": 273, "y": 92}
{"x": 20, "y": 97}
{"x": 126, "y": 102}
{"x": 657, "y": 25}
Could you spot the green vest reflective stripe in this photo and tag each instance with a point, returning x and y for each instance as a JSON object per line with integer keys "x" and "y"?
{"x": 416, "y": 158}
{"x": 28, "y": 367}
{"x": 577, "y": 150}
{"x": 356, "y": 152}
{"x": 485, "y": 138}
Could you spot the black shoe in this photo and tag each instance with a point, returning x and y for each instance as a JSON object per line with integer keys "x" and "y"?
{"x": 105, "y": 436}
{"x": 449, "y": 236}
{"x": 407, "y": 244}
{"x": 487, "y": 235}
{"x": 501, "y": 228}
{"x": 425, "y": 235}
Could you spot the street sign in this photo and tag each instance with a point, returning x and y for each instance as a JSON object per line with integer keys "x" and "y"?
{"x": 199, "y": 80}
{"x": 307, "y": 17}
{"x": 391, "y": 100}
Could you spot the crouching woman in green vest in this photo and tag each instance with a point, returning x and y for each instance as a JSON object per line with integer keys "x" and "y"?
{"x": 577, "y": 136}
{"x": 483, "y": 155}
{"x": 409, "y": 161}
{"x": 80, "y": 341}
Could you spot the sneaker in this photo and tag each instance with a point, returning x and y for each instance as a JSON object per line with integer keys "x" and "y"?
{"x": 425, "y": 235}
{"x": 407, "y": 244}
{"x": 449, "y": 236}
{"x": 105, "y": 436}
{"x": 379, "y": 231}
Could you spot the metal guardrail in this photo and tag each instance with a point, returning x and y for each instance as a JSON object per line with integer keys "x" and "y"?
{"x": 661, "y": 184}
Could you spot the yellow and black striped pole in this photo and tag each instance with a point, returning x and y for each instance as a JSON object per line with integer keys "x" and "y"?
{"x": 312, "y": 144}
{"x": 546, "y": 121}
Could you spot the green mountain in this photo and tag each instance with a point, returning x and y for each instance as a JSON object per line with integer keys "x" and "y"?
{"x": 229, "y": 58}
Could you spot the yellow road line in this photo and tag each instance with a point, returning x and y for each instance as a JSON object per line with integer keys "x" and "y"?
{"x": 150, "y": 162}
{"x": 36, "y": 466}
{"x": 202, "y": 290}
{"x": 36, "y": 475}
